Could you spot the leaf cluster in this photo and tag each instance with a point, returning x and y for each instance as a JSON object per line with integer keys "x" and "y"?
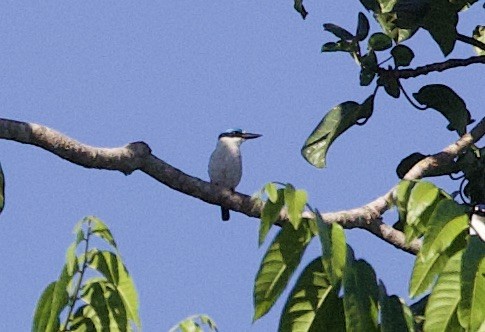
{"x": 338, "y": 292}
{"x": 94, "y": 291}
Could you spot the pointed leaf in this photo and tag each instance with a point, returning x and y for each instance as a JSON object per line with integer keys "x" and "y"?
{"x": 362, "y": 27}
{"x": 390, "y": 84}
{"x": 440, "y": 21}
{"x": 338, "y": 120}
{"x": 395, "y": 314}
{"x": 93, "y": 294}
{"x": 334, "y": 249}
{"x": 313, "y": 304}
{"x": 379, "y": 42}
{"x": 438, "y": 245}
{"x": 421, "y": 204}
{"x": 43, "y": 309}
{"x": 295, "y": 200}
{"x": 338, "y": 31}
{"x": 471, "y": 311}
{"x": 340, "y": 46}
{"x": 448, "y": 103}
{"x": 444, "y": 299}
{"x": 271, "y": 191}
{"x": 479, "y": 34}
{"x": 112, "y": 267}
{"x": 100, "y": 229}
{"x": 270, "y": 213}
{"x": 279, "y": 263}
{"x": 360, "y": 296}
{"x": 403, "y": 192}
{"x": 71, "y": 259}
{"x": 402, "y": 55}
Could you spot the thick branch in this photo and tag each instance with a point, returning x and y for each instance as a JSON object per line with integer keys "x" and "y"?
{"x": 137, "y": 156}
{"x": 434, "y": 67}
{"x": 470, "y": 40}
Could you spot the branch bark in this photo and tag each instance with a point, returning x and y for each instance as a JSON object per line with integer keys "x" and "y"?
{"x": 434, "y": 67}
{"x": 138, "y": 156}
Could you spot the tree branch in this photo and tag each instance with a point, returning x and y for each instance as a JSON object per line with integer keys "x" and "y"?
{"x": 138, "y": 156}
{"x": 470, "y": 40}
{"x": 434, "y": 67}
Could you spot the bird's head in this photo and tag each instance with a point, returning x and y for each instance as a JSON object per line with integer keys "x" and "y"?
{"x": 237, "y": 135}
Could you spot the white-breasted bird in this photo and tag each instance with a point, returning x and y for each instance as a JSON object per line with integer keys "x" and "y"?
{"x": 225, "y": 165}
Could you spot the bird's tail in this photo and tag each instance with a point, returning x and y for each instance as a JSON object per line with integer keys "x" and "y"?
{"x": 225, "y": 214}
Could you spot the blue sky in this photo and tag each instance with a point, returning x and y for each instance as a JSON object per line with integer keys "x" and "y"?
{"x": 174, "y": 74}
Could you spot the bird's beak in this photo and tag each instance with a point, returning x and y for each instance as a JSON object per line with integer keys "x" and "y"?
{"x": 250, "y": 136}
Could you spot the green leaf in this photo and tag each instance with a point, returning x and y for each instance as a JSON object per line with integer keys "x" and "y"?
{"x": 334, "y": 249}
{"x": 402, "y": 55}
{"x": 271, "y": 191}
{"x": 295, "y": 200}
{"x": 111, "y": 266}
{"x": 190, "y": 324}
{"x": 2, "y": 189}
{"x": 71, "y": 259}
{"x": 362, "y": 27}
{"x": 444, "y": 237}
{"x": 479, "y": 34}
{"x": 379, "y": 42}
{"x": 395, "y": 314}
{"x": 471, "y": 311}
{"x": 100, "y": 229}
{"x": 269, "y": 215}
{"x": 369, "y": 67}
{"x": 440, "y": 21}
{"x": 371, "y": 5}
{"x": 313, "y": 304}
{"x": 444, "y": 299}
{"x": 43, "y": 310}
{"x": 360, "y": 295}
{"x": 82, "y": 320}
{"x": 338, "y": 120}
{"x": 421, "y": 204}
{"x": 403, "y": 192}
{"x": 448, "y": 103}
{"x": 52, "y": 301}
{"x": 338, "y": 31}
{"x": 340, "y": 46}
{"x": 300, "y": 8}
{"x": 97, "y": 311}
{"x": 390, "y": 84}
{"x": 388, "y": 22}
{"x": 277, "y": 267}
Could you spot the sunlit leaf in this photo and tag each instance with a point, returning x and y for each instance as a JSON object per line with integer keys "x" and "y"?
{"x": 277, "y": 267}
{"x": 334, "y": 249}
{"x": 444, "y": 237}
{"x": 313, "y": 304}
{"x": 100, "y": 229}
{"x": 269, "y": 215}
{"x": 295, "y": 200}
{"x": 112, "y": 267}
{"x": 403, "y": 191}
{"x": 395, "y": 314}
{"x": 94, "y": 295}
{"x": 443, "y": 302}
{"x": 271, "y": 191}
{"x": 71, "y": 259}
{"x": 471, "y": 311}
{"x": 402, "y": 55}
{"x": 360, "y": 295}
{"x": 52, "y": 301}
{"x": 336, "y": 121}
{"x": 448, "y": 103}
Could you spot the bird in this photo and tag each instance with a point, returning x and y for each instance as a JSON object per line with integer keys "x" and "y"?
{"x": 225, "y": 164}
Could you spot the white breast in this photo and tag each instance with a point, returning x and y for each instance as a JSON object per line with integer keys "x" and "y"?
{"x": 225, "y": 166}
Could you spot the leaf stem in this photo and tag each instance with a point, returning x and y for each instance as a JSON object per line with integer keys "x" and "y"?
{"x": 79, "y": 281}
{"x": 470, "y": 40}
{"x": 421, "y": 108}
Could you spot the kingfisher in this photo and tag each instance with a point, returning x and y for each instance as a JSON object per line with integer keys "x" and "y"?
{"x": 225, "y": 165}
